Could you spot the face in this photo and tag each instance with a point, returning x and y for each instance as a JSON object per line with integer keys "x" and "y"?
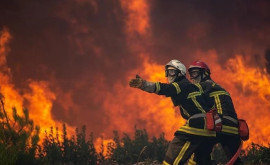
{"x": 195, "y": 75}
{"x": 171, "y": 74}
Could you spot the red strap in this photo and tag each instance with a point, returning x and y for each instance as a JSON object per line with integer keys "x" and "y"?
{"x": 235, "y": 156}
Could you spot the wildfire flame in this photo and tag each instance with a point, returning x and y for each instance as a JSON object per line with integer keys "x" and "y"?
{"x": 246, "y": 85}
{"x": 124, "y": 107}
{"x": 39, "y": 97}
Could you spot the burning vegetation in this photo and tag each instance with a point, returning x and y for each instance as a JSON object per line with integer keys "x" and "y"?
{"x": 70, "y": 64}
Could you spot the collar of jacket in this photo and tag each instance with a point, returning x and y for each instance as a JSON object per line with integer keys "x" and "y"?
{"x": 206, "y": 78}
{"x": 180, "y": 78}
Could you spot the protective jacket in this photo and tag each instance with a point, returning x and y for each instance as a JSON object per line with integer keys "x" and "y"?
{"x": 229, "y": 136}
{"x": 193, "y": 107}
{"x": 191, "y": 102}
{"x": 222, "y": 101}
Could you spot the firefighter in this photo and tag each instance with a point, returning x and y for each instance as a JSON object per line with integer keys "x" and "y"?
{"x": 228, "y": 137}
{"x": 192, "y": 108}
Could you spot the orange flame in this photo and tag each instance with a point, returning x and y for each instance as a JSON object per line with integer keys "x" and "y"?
{"x": 11, "y": 96}
{"x": 103, "y": 142}
{"x": 247, "y": 86}
{"x": 138, "y": 19}
{"x": 40, "y": 98}
{"x": 249, "y": 89}
{"x": 127, "y": 107}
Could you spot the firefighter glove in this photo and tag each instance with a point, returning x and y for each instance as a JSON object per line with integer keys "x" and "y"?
{"x": 137, "y": 82}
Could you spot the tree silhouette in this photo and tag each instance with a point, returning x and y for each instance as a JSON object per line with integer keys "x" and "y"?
{"x": 19, "y": 144}
{"x": 18, "y": 137}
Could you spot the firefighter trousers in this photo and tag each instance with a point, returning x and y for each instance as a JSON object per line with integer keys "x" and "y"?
{"x": 182, "y": 147}
{"x": 229, "y": 143}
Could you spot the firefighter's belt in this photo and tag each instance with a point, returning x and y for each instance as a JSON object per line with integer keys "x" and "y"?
{"x": 231, "y": 119}
{"x": 197, "y": 115}
{"x": 204, "y": 115}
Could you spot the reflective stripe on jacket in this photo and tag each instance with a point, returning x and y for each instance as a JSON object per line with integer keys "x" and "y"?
{"x": 190, "y": 100}
{"x": 222, "y": 101}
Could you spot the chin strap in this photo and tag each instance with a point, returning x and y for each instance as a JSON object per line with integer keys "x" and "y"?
{"x": 236, "y": 155}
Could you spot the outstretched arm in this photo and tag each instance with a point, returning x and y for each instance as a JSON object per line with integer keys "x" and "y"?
{"x": 142, "y": 84}
{"x": 155, "y": 87}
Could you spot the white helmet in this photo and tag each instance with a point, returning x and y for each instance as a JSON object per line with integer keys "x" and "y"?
{"x": 178, "y": 65}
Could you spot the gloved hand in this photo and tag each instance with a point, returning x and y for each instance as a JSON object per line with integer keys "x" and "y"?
{"x": 137, "y": 82}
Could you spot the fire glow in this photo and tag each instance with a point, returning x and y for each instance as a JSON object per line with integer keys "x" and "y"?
{"x": 157, "y": 114}
{"x": 126, "y": 107}
{"x": 39, "y": 97}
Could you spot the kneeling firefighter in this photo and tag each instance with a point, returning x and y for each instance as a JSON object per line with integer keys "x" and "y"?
{"x": 227, "y": 132}
{"x": 189, "y": 137}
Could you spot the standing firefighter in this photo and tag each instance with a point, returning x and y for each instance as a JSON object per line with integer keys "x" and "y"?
{"x": 192, "y": 108}
{"x": 228, "y": 136}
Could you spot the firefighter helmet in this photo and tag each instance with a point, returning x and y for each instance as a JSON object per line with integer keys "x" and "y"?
{"x": 199, "y": 64}
{"x": 177, "y": 65}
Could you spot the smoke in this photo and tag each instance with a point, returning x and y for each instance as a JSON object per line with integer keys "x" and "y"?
{"x": 233, "y": 27}
{"x": 87, "y": 50}
{"x": 79, "y": 46}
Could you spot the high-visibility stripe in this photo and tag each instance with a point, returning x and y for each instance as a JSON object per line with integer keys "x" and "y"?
{"x": 181, "y": 153}
{"x": 218, "y": 93}
{"x": 178, "y": 90}
{"x": 197, "y": 131}
{"x": 198, "y": 105}
{"x": 218, "y": 104}
{"x": 191, "y": 160}
{"x": 185, "y": 111}
{"x": 204, "y": 123}
{"x": 165, "y": 163}
{"x": 199, "y": 86}
{"x": 157, "y": 87}
{"x": 193, "y": 95}
{"x": 229, "y": 129}
{"x": 217, "y": 100}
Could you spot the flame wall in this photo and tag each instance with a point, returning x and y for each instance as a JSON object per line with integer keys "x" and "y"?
{"x": 70, "y": 62}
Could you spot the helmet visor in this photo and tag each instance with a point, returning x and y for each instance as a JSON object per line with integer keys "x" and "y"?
{"x": 171, "y": 72}
{"x": 194, "y": 73}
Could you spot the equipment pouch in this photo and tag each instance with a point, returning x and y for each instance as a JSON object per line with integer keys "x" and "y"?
{"x": 210, "y": 124}
{"x": 213, "y": 121}
{"x": 243, "y": 129}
